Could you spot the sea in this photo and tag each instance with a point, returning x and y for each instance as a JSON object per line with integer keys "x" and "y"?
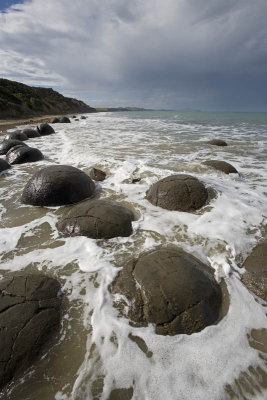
{"x": 93, "y": 356}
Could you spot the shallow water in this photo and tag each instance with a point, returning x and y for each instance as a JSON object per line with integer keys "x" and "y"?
{"x": 95, "y": 352}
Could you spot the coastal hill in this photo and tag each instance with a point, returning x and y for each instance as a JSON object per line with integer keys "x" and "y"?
{"x": 18, "y": 100}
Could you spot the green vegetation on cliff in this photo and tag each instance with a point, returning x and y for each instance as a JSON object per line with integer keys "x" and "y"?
{"x": 18, "y": 101}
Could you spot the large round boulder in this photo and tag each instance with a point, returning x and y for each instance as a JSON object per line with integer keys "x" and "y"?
{"x": 255, "y": 277}
{"x": 3, "y": 165}
{"x": 23, "y": 154}
{"x": 45, "y": 129}
{"x": 221, "y": 166}
{"x": 17, "y": 135}
{"x": 57, "y": 185}
{"x": 178, "y": 192}
{"x": 31, "y": 133}
{"x": 7, "y": 144}
{"x": 97, "y": 219}
{"x": 29, "y": 314}
{"x": 97, "y": 174}
{"x": 217, "y": 142}
{"x": 64, "y": 120}
{"x": 170, "y": 289}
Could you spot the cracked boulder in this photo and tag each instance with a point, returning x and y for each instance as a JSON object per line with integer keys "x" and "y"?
{"x": 7, "y": 144}
{"x": 97, "y": 219}
{"x": 170, "y": 289}
{"x": 255, "y": 277}
{"x": 17, "y": 135}
{"x": 45, "y": 129}
{"x": 31, "y": 133}
{"x": 29, "y": 314}
{"x": 97, "y": 174}
{"x": 178, "y": 192}
{"x": 57, "y": 185}
{"x": 3, "y": 165}
{"x": 22, "y": 154}
{"x": 221, "y": 166}
{"x": 217, "y": 142}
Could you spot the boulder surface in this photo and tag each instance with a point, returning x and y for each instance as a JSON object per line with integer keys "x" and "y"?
{"x": 29, "y": 313}
{"x": 7, "y": 144}
{"x": 57, "y": 185}
{"x": 221, "y": 166}
{"x": 31, "y": 133}
{"x": 255, "y": 277}
{"x": 55, "y": 120}
{"x": 17, "y": 135}
{"x": 178, "y": 192}
{"x": 64, "y": 120}
{"x": 45, "y": 129}
{"x": 97, "y": 219}
{"x": 4, "y": 165}
{"x": 170, "y": 289}
{"x": 22, "y": 154}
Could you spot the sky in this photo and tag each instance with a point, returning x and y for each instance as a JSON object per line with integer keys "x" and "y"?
{"x": 209, "y": 55}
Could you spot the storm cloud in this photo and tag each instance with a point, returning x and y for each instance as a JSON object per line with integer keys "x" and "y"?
{"x": 205, "y": 54}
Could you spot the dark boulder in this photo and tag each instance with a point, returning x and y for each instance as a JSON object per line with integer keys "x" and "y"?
{"x": 4, "y": 165}
{"x": 97, "y": 174}
{"x": 55, "y": 120}
{"x": 31, "y": 133}
{"x": 74, "y": 116}
{"x": 170, "y": 289}
{"x": 17, "y": 135}
{"x": 83, "y": 117}
{"x": 6, "y": 145}
{"x": 221, "y": 166}
{"x": 97, "y": 219}
{"x": 23, "y": 154}
{"x": 57, "y": 185}
{"x": 45, "y": 129}
{"x": 29, "y": 314}
{"x": 255, "y": 277}
{"x": 178, "y": 192}
{"x": 64, "y": 120}
{"x": 217, "y": 142}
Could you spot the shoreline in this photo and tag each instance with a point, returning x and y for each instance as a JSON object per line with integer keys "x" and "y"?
{"x": 13, "y": 123}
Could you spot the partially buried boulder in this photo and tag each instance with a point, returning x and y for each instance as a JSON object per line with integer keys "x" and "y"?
{"x": 255, "y": 277}
{"x": 178, "y": 192}
{"x": 221, "y": 166}
{"x": 97, "y": 219}
{"x": 97, "y": 174}
{"x": 64, "y": 120}
{"x": 29, "y": 314}
{"x": 17, "y": 135}
{"x": 57, "y": 185}
{"x": 45, "y": 129}
{"x": 23, "y": 154}
{"x": 170, "y": 289}
{"x": 83, "y": 117}
{"x": 217, "y": 142}
{"x": 3, "y": 165}
{"x": 31, "y": 133}
{"x": 55, "y": 120}
{"x": 6, "y": 145}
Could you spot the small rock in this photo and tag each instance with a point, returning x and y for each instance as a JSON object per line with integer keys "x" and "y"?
{"x": 97, "y": 219}
{"x": 45, "y": 129}
{"x": 178, "y": 192}
{"x": 97, "y": 174}
{"x": 57, "y": 185}
{"x": 23, "y": 154}
{"x": 7, "y": 144}
{"x": 221, "y": 166}
{"x": 217, "y": 142}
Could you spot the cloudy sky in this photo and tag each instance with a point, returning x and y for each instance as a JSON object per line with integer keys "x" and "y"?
{"x": 201, "y": 54}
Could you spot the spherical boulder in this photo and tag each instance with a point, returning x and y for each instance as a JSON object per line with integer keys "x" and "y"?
{"x": 64, "y": 120}
{"x": 217, "y": 142}
{"x": 3, "y": 165}
{"x": 7, "y": 144}
{"x": 31, "y": 133}
{"x": 178, "y": 192}
{"x": 23, "y": 154}
{"x": 57, "y": 185}
{"x": 55, "y": 120}
{"x": 45, "y": 129}
{"x": 97, "y": 219}
{"x": 29, "y": 314}
{"x": 255, "y": 277}
{"x": 97, "y": 174}
{"x": 17, "y": 135}
{"x": 221, "y": 166}
{"x": 170, "y": 289}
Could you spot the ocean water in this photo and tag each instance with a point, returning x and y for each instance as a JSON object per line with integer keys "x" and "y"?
{"x": 95, "y": 352}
